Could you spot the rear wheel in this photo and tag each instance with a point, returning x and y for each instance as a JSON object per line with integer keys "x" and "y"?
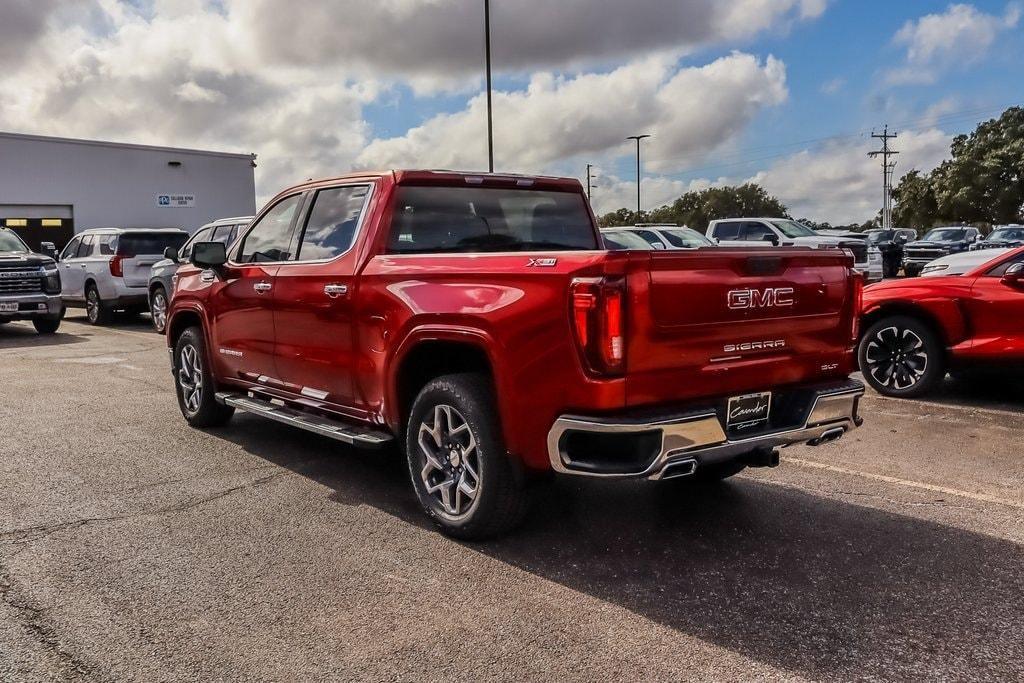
{"x": 96, "y": 311}
{"x": 194, "y": 382}
{"x": 460, "y": 470}
{"x": 158, "y": 309}
{"x": 901, "y": 356}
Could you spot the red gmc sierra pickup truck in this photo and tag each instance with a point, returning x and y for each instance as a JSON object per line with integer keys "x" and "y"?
{"x": 477, "y": 321}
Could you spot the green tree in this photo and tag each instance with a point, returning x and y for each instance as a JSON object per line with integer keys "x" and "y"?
{"x": 983, "y": 182}
{"x": 695, "y": 209}
{"x": 914, "y": 202}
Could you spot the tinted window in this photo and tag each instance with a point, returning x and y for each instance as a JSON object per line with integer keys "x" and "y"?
{"x": 1000, "y": 270}
{"x": 618, "y": 240}
{"x": 85, "y": 248}
{"x": 476, "y": 219}
{"x": 727, "y": 231}
{"x": 331, "y": 226}
{"x": 650, "y": 238}
{"x": 10, "y": 242}
{"x": 106, "y": 245}
{"x": 201, "y": 236}
{"x": 757, "y": 232}
{"x": 946, "y": 235}
{"x": 684, "y": 238}
{"x": 71, "y": 250}
{"x": 270, "y": 239}
{"x": 134, "y": 244}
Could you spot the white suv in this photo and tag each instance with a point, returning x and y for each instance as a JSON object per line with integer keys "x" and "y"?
{"x": 789, "y": 233}
{"x": 107, "y": 269}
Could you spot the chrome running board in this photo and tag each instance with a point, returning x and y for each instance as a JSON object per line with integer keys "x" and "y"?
{"x": 346, "y": 432}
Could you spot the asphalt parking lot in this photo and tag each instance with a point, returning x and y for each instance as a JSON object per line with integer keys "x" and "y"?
{"x": 135, "y": 548}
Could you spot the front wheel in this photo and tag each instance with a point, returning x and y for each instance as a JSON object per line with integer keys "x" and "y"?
{"x": 46, "y": 325}
{"x": 902, "y": 357}
{"x": 463, "y": 476}
{"x": 96, "y": 311}
{"x": 158, "y": 309}
{"x": 194, "y": 382}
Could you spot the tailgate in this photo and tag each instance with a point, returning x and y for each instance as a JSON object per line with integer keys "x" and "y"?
{"x": 137, "y": 269}
{"x": 717, "y": 322}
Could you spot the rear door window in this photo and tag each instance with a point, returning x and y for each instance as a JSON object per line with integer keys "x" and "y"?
{"x": 85, "y": 248}
{"x": 727, "y": 231}
{"x": 222, "y": 234}
{"x": 270, "y": 239}
{"x": 132, "y": 244}
{"x": 331, "y": 226}
{"x": 479, "y": 219}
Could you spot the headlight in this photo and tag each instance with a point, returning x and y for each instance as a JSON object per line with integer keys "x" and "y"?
{"x": 51, "y": 281}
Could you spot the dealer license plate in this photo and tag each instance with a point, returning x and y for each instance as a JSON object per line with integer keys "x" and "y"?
{"x": 749, "y": 410}
{"x": 8, "y": 307}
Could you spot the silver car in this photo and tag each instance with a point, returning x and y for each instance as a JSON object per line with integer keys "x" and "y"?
{"x": 107, "y": 269}
{"x": 161, "y": 284}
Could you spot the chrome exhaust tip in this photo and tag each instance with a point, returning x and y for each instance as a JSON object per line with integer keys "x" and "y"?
{"x": 679, "y": 468}
{"x": 829, "y": 436}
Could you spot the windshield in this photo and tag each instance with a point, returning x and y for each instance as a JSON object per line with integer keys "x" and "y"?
{"x": 1007, "y": 234}
{"x": 794, "y": 229}
{"x": 433, "y": 219}
{"x": 685, "y": 238}
{"x": 618, "y": 240}
{"x": 945, "y": 235}
{"x": 9, "y": 242}
{"x": 134, "y": 244}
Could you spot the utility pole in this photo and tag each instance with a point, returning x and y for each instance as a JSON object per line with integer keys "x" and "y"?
{"x": 589, "y": 186}
{"x": 638, "y": 138}
{"x": 887, "y": 169}
{"x": 490, "y": 116}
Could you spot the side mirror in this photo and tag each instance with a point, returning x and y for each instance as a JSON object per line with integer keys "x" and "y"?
{"x": 208, "y": 255}
{"x": 1014, "y": 275}
{"x": 50, "y": 249}
{"x": 171, "y": 253}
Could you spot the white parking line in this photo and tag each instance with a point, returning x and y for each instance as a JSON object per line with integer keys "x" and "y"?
{"x": 981, "y": 497}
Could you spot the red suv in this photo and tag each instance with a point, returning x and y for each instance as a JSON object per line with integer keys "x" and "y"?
{"x": 915, "y": 330}
{"x": 477, "y": 321}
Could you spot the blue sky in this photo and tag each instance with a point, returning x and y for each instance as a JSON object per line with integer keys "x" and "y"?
{"x": 782, "y": 92}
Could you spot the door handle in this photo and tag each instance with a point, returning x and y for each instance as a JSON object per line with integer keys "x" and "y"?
{"x": 262, "y": 287}
{"x": 334, "y": 291}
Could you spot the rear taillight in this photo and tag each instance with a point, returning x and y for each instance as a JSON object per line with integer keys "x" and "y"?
{"x": 857, "y": 285}
{"x": 598, "y": 315}
{"x": 116, "y": 267}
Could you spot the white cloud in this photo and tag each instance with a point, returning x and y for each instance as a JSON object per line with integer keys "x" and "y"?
{"x": 833, "y": 85}
{"x": 690, "y": 112}
{"x": 839, "y": 183}
{"x": 962, "y": 35}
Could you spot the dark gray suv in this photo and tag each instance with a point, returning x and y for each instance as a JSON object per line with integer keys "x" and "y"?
{"x": 161, "y": 276}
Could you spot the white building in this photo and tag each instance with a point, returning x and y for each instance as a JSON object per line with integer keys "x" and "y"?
{"x": 51, "y": 188}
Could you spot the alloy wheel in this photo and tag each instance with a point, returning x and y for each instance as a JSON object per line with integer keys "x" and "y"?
{"x": 896, "y": 357}
{"x": 159, "y": 311}
{"x": 451, "y": 467}
{"x": 92, "y": 305}
{"x": 190, "y": 378}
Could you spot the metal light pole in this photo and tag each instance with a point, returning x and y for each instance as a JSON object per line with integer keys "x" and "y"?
{"x": 638, "y": 138}
{"x": 490, "y": 117}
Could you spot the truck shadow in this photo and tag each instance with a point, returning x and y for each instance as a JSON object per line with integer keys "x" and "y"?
{"x": 18, "y": 335}
{"x": 815, "y": 586}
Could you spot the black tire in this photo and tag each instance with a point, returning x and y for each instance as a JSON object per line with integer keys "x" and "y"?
{"x": 97, "y": 312}
{"x": 158, "y": 309}
{"x": 459, "y": 410}
{"x": 191, "y": 363}
{"x": 901, "y": 356}
{"x": 46, "y": 325}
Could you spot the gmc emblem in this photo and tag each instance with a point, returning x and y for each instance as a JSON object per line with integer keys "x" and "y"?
{"x": 772, "y": 297}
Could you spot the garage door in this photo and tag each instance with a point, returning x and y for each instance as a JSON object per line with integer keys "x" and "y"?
{"x": 39, "y": 223}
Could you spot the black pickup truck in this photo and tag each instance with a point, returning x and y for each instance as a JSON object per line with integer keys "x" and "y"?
{"x": 29, "y": 285}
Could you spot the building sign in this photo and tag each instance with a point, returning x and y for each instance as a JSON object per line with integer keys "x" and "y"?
{"x": 176, "y": 201}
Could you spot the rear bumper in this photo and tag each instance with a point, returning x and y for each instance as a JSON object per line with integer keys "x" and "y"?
{"x": 32, "y": 306}
{"x": 696, "y": 437}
